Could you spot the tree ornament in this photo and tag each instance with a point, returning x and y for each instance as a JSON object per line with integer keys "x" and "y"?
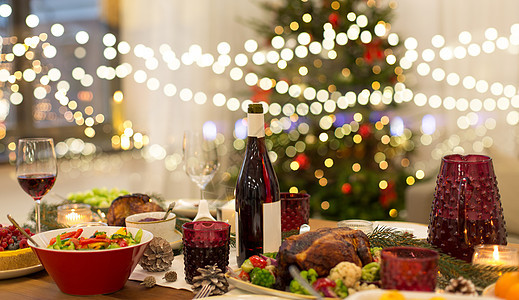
{"x": 211, "y": 275}
{"x": 170, "y": 276}
{"x": 461, "y": 285}
{"x": 333, "y": 18}
{"x": 158, "y": 256}
{"x": 149, "y": 282}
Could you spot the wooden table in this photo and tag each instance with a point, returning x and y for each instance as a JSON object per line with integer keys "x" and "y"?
{"x": 41, "y": 286}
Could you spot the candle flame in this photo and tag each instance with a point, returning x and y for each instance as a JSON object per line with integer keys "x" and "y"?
{"x": 496, "y": 253}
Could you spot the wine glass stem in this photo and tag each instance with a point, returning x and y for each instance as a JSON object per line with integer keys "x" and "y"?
{"x": 201, "y": 194}
{"x": 37, "y": 216}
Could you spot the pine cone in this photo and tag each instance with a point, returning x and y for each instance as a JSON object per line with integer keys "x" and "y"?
{"x": 149, "y": 282}
{"x": 170, "y": 276}
{"x": 461, "y": 285}
{"x": 158, "y": 256}
{"x": 211, "y": 275}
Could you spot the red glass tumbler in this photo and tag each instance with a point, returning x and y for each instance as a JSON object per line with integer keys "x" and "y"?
{"x": 295, "y": 211}
{"x": 466, "y": 210}
{"x": 409, "y": 268}
{"x": 205, "y": 243}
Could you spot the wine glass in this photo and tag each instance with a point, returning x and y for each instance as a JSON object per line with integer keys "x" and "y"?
{"x": 36, "y": 169}
{"x": 201, "y": 159}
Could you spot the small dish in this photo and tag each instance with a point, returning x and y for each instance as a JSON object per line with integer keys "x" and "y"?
{"x": 177, "y": 243}
{"x": 161, "y": 228}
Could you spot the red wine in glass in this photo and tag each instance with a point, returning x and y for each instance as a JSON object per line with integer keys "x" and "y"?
{"x": 36, "y": 169}
{"x": 37, "y": 185}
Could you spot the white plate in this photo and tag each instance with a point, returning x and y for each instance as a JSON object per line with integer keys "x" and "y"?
{"x": 375, "y": 294}
{"x": 20, "y": 272}
{"x": 189, "y": 207}
{"x": 490, "y": 290}
{"x": 418, "y": 230}
{"x": 244, "y": 297}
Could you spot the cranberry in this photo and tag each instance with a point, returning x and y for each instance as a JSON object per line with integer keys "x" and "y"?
{"x": 10, "y": 241}
{"x": 23, "y": 243}
{"x": 4, "y": 245}
{"x": 1, "y": 249}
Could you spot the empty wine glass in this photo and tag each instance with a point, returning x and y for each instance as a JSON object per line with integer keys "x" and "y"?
{"x": 36, "y": 169}
{"x": 201, "y": 159}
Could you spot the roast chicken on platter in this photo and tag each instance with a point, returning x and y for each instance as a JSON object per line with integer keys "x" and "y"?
{"x": 322, "y": 250}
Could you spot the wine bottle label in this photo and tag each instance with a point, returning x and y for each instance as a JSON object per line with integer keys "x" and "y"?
{"x": 236, "y": 222}
{"x": 256, "y": 126}
{"x": 271, "y": 226}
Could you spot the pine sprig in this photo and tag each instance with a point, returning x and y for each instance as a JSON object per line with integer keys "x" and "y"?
{"x": 448, "y": 266}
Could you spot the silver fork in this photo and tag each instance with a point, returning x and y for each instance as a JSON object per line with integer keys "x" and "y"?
{"x": 204, "y": 291}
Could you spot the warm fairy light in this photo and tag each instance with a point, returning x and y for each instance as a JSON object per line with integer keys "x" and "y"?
{"x": 118, "y": 97}
{"x": 325, "y": 205}
{"x": 382, "y": 184}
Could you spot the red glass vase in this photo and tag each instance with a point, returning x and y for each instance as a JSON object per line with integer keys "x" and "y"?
{"x": 466, "y": 210}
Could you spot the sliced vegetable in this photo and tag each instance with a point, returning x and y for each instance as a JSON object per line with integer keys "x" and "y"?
{"x": 247, "y": 266}
{"x": 258, "y": 262}
{"x": 99, "y": 240}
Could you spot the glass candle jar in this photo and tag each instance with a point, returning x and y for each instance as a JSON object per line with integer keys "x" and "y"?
{"x": 73, "y": 214}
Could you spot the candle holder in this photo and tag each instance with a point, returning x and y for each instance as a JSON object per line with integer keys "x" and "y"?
{"x": 73, "y": 214}
{"x": 362, "y": 225}
{"x": 495, "y": 255}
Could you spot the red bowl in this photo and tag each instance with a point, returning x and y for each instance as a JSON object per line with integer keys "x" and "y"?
{"x": 90, "y": 272}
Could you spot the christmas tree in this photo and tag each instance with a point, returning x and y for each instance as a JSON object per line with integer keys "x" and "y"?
{"x": 332, "y": 79}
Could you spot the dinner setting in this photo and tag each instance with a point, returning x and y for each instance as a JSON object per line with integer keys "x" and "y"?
{"x": 259, "y": 149}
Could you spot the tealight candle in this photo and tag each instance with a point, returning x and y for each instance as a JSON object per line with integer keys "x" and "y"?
{"x": 73, "y": 214}
{"x": 495, "y": 255}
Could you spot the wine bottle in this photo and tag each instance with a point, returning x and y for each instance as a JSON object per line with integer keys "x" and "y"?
{"x": 258, "y": 205}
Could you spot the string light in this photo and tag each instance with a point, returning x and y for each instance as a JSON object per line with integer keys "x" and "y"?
{"x": 504, "y": 97}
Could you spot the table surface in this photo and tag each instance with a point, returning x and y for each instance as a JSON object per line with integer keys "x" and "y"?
{"x": 41, "y": 286}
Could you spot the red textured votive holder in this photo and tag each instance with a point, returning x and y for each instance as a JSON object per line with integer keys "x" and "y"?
{"x": 409, "y": 268}
{"x": 295, "y": 211}
{"x": 205, "y": 243}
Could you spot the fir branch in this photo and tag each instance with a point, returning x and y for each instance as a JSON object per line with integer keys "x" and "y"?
{"x": 448, "y": 266}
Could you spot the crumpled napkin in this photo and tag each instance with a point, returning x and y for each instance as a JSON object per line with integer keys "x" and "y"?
{"x": 178, "y": 266}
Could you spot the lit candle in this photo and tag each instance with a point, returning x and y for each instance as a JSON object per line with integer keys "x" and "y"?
{"x": 495, "y": 255}
{"x": 73, "y": 214}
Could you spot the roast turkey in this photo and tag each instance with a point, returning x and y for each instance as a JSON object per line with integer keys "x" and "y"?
{"x": 322, "y": 250}
{"x": 126, "y": 205}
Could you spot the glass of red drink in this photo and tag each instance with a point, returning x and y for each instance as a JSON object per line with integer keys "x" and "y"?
{"x": 36, "y": 169}
{"x": 466, "y": 210}
{"x": 205, "y": 243}
{"x": 409, "y": 268}
{"x": 295, "y": 211}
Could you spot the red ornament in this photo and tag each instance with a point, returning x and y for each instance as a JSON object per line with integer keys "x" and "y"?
{"x": 365, "y": 130}
{"x": 260, "y": 94}
{"x": 303, "y": 161}
{"x": 388, "y": 195}
{"x": 373, "y": 51}
{"x": 346, "y": 188}
{"x": 333, "y": 18}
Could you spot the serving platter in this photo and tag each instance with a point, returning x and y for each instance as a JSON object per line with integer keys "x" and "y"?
{"x": 20, "y": 272}
{"x": 244, "y": 297}
{"x": 375, "y": 294}
{"x": 257, "y": 289}
{"x": 418, "y": 230}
